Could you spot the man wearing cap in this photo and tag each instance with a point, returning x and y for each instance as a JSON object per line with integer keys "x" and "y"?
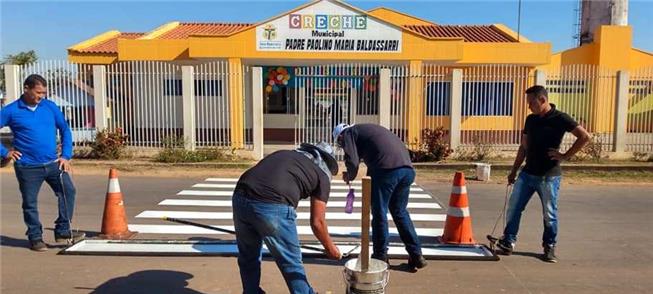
{"x": 388, "y": 164}
{"x": 264, "y": 204}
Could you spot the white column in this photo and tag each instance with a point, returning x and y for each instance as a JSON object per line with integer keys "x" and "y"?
{"x": 12, "y": 82}
{"x": 188, "y": 102}
{"x": 455, "y": 112}
{"x": 257, "y": 112}
{"x": 621, "y": 112}
{"x": 100, "y": 96}
{"x": 384, "y": 98}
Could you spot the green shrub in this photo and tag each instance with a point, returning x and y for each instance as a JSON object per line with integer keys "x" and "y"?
{"x": 433, "y": 148}
{"x": 109, "y": 144}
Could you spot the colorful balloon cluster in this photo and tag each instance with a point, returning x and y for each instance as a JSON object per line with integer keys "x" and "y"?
{"x": 276, "y": 77}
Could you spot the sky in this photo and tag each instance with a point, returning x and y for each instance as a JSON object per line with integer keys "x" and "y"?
{"x": 52, "y": 26}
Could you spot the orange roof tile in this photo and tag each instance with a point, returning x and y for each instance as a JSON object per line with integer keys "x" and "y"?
{"x": 184, "y": 30}
{"x": 111, "y": 45}
{"x": 468, "y": 33}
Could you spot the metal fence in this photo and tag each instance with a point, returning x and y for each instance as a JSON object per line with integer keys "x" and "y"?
{"x": 70, "y": 87}
{"x": 640, "y": 111}
{"x": 588, "y": 94}
{"x": 145, "y": 101}
{"x": 331, "y": 94}
{"x": 212, "y": 107}
{"x": 434, "y": 82}
{"x": 493, "y": 105}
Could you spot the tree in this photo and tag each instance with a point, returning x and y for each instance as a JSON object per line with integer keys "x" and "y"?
{"x": 20, "y": 58}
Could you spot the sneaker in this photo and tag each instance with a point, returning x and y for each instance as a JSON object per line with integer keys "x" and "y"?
{"x": 76, "y": 237}
{"x": 417, "y": 261}
{"x": 505, "y": 246}
{"x": 549, "y": 254}
{"x": 38, "y": 245}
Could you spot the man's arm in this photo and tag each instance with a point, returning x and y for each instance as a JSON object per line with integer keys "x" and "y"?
{"x": 582, "y": 138}
{"x": 6, "y": 154}
{"x": 320, "y": 229}
{"x": 352, "y": 161}
{"x": 64, "y": 132}
{"x": 521, "y": 155}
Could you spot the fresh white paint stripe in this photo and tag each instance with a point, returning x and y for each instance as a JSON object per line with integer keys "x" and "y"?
{"x": 300, "y": 215}
{"x": 233, "y": 186}
{"x": 227, "y": 203}
{"x": 301, "y": 230}
{"x": 114, "y": 186}
{"x": 229, "y": 193}
{"x": 231, "y": 248}
{"x": 458, "y": 212}
{"x": 459, "y": 190}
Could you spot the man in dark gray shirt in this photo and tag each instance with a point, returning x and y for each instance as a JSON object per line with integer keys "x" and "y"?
{"x": 540, "y": 144}
{"x": 264, "y": 203}
{"x": 388, "y": 164}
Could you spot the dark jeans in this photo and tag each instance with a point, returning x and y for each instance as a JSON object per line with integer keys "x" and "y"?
{"x": 30, "y": 178}
{"x": 390, "y": 191}
{"x": 259, "y": 222}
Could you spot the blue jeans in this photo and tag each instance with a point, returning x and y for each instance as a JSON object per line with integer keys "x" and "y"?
{"x": 30, "y": 178}
{"x": 547, "y": 188}
{"x": 390, "y": 191}
{"x": 274, "y": 224}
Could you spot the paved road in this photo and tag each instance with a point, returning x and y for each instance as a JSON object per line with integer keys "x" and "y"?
{"x": 604, "y": 247}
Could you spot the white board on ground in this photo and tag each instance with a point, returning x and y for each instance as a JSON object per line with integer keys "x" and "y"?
{"x": 159, "y": 214}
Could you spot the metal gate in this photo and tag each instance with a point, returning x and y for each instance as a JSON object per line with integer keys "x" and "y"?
{"x": 327, "y": 95}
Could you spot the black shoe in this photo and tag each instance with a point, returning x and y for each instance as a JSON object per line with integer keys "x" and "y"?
{"x": 505, "y": 246}
{"x": 417, "y": 261}
{"x": 38, "y": 245}
{"x": 76, "y": 237}
{"x": 549, "y": 254}
{"x": 383, "y": 258}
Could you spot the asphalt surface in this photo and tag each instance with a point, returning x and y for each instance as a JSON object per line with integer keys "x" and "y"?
{"x": 604, "y": 247}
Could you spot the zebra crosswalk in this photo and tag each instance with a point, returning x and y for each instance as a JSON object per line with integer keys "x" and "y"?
{"x": 209, "y": 202}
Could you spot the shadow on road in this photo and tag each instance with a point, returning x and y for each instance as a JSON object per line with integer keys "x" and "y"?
{"x": 150, "y": 281}
{"x": 7, "y": 241}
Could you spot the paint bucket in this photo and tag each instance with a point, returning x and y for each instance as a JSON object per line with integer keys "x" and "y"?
{"x": 372, "y": 281}
{"x": 483, "y": 171}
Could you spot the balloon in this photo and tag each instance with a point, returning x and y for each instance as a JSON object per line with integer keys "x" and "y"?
{"x": 271, "y": 82}
{"x": 275, "y": 88}
{"x": 285, "y": 82}
{"x": 280, "y": 69}
{"x": 268, "y": 89}
{"x": 286, "y": 77}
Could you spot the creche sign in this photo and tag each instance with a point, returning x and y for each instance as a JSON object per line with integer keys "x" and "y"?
{"x": 328, "y": 27}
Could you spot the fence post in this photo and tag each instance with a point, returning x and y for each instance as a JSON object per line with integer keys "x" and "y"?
{"x": 455, "y": 111}
{"x": 100, "y": 97}
{"x": 188, "y": 105}
{"x": 540, "y": 77}
{"x": 12, "y": 82}
{"x": 621, "y": 112}
{"x": 257, "y": 112}
{"x": 384, "y": 98}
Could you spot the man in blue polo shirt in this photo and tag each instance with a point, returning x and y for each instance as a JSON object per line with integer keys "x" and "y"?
{"x": 34, "y": 122}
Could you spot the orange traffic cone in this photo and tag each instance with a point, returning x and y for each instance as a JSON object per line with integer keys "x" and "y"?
{"x": 458, "y": 227}
{"x": 114, "y": 220}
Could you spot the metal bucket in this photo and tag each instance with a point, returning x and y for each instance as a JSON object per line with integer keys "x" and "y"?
{"x": 373, "y": 281}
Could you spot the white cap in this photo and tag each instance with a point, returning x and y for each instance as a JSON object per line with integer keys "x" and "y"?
{"x": 338, "y": 129}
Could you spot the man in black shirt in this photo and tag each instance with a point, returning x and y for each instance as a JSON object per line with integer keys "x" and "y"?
{"x": 540, "y": 144}
{"x": 388, "y": 164}
{"x": 264, "y": 204}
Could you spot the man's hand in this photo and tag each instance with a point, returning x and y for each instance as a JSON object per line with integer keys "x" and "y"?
{"x": 345, "y": 178}
{"x": 554, "y": 154}
{"x": 15, "y": 155}
{"x": 511, "y": 177}
{"x": 65, "y": 165}
{"x": 333, "y": 252}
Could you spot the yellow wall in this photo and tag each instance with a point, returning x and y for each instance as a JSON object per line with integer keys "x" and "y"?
{"x": 640, "y": 59}
{"x": 236, "y": 102}
{"x": 92, "y": 58}
{"x": 152, "y": 49}
{"x": 615, "y": 44}
{"x": 415, "y": 108}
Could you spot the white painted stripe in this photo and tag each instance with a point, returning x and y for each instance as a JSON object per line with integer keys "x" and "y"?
{"x": 114, "y": 186}
{"x": 227, "y": 203}
{"x": 230, "y": 193}
{"x": 300, "y": 215}
{"x": 232, "y": 248}
{"x": 301, "y": 230}
{"x": 229, "y": 186}
{"x": 234, "y": 180}
{"x": 459, "y": 190}
{"x": 233, "y": 186}
{"x": 458, "y": 212}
